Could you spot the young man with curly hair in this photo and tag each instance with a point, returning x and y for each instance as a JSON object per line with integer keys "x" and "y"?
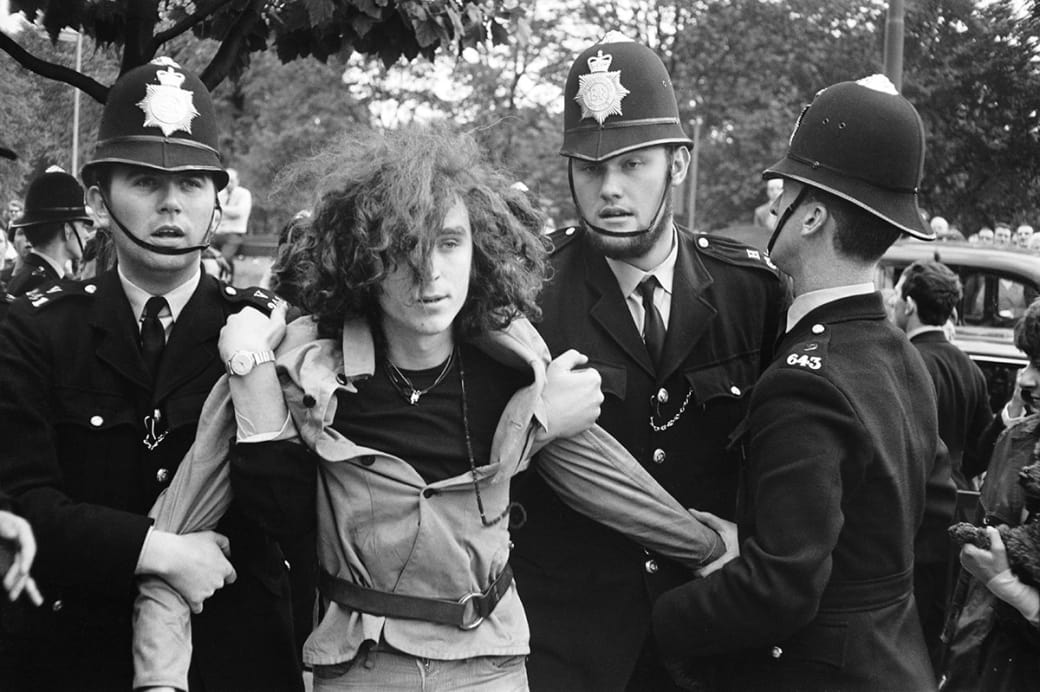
{"x": 397, "y": 411}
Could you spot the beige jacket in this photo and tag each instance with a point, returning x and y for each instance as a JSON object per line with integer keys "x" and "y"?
{"x": 382, "y": 526}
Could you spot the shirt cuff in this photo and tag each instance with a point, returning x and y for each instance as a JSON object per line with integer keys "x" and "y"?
{"x": 144, "y": 548}
{"x": 247, "y": 432}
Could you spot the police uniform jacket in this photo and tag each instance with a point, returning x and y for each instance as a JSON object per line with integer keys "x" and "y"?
{"x": 74, "y": 399}
{"x": 842, "y": 440}
{"x": 35, "y": 272}
{"x": 587, "y": 589}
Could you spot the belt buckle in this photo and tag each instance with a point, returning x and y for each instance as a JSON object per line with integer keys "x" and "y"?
{"x": 480, "y": 618}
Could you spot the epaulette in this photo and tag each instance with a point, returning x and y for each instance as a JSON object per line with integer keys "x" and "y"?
{"x": 43, "y": 297}
{"x": 251, "y": 296}
{"x": 733, "y": 252}
{"x": 561, "y": 237}
{"x": 810, "y": 353}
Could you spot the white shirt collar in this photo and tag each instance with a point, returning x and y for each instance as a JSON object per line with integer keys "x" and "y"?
{"x": 176, "y": 299}
{"x": 807, "y": 302}
{"x": 629, "y": 277}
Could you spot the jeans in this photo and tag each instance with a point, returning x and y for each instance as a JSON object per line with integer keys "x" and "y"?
{"x": 392, "y": 670}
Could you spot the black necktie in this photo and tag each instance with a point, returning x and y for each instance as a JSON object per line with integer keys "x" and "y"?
{"x": 153, "y": 337}
{"x": 653, "y": 325}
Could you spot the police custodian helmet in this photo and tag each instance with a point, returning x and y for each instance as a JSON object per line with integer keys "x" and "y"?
{"x": 159, "y": 116}
{"x": 55, "y": 196}
{"x": 864, "y": 142}
{"x": 618, "y": 97}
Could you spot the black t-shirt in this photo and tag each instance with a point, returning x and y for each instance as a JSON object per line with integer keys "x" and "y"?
{"x": 430, "y": 435}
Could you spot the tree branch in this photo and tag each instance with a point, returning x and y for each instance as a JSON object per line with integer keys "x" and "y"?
{"x": 59, "y": 73}
{"x": 230, "y": 48}
{"x": 187, "y": 23}
{"x": 141, "y": 18}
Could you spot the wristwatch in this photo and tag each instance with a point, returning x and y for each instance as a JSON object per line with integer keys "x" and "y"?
{"x": 242, "y": 362}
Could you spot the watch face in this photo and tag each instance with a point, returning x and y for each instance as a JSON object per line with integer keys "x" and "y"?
{"x": 241, "y": 363}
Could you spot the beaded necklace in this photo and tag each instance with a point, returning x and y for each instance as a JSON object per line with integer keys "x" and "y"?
{"x": 469, "y": 452}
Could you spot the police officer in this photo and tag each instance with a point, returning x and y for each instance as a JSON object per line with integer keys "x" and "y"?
{"x": 679, "y": 325}
{"x": 56, "y": 223}
{"x": 101, "y": 385}
{"x": 841, "y": 437}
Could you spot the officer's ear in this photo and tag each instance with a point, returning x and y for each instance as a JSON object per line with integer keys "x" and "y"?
{"x": 96, "y": 201}
{"x": 680, "y": 165}
{"x": 814, "y": 216}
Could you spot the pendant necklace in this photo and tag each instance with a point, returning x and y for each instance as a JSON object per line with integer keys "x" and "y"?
{"x": 404, "y": 385}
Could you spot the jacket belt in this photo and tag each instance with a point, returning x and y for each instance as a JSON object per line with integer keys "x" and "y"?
{"x": 867, "y": 594}
{"x": 465, "y": 613}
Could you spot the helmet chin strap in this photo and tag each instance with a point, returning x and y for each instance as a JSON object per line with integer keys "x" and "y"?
{"x": 161, "y": 249}
{"x": 785, "y": 215}
{"x": 658, "y": 215}
{"x": 75, "y": 232}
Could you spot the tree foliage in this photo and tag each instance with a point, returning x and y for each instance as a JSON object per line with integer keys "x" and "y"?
{"x": 973, "y": 75}
{"x": 140, "y": 29}
{"x": 744, "y": 68}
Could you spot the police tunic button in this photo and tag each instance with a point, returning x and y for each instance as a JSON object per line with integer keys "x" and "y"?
{"x": 569, "y": 231}
{"x": 662, "y": 396}
{"x": 734, "y": 390}
{"x": 651, "y": 566}
{"x": 89, "y": 288}
{"x": 776, "y": 652}
{"x": 702, "y": 242}
{"x": 817, "y": 329}
{"x": 57, "y": 606}
{"x": 659, "y": 456}
{"x": 230, "y": 290}
{"x": 161, "y": 475}
{"x": 97, "y": 421}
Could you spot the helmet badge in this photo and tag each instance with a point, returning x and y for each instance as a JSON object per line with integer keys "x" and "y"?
{"x": 166, "y": 105}
{"x": 600, "y": 92}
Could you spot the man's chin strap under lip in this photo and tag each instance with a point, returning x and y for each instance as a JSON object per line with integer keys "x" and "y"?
{"x": 784, "y": 216}
{"x": 161, "y": 249}
{"x": 619, "y": 234}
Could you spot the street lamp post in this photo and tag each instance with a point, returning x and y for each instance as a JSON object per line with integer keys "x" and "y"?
{"x": 75, "y": 106}
{"x": 894, "y": 43}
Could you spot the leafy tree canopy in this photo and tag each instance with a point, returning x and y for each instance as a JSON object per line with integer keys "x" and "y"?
{"x": 141, "y": 29}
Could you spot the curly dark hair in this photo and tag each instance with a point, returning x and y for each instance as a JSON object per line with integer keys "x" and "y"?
{"x": 382, "y": 198}
{"x": 288, "y": 273}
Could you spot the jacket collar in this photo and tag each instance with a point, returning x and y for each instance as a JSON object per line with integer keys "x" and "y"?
{"x": 690, "y": 316}
{"x": 191, "y": 346}
{"x": 866, "y": 306}
{"x": 49, "y": 266}
{"x": 321, "y": 366}
{"x": 928, "y": 333}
